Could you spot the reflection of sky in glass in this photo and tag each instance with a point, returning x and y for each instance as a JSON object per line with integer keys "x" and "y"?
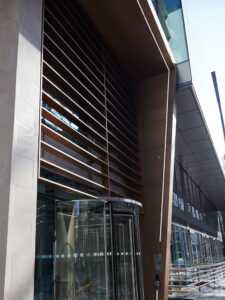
{"x": 172, "y": 5}
{"x": 171, "y": 19}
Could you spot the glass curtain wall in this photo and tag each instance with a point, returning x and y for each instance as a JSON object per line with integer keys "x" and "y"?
{"x": 171, "y": 18}
{"x": 190, "y": 248}
{"x": 188, "y": 197}
{"x": 180, "y": 248}
{"x": 87, "y": 249}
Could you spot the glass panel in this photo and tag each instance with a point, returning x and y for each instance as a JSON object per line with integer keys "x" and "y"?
{"x": 44, "y": 250}
{"x": 181, "y": 203}
{"x": 175, "y": 200}
{"x": 75, "y": 255}
{"x": 80, "y": 253}
{"x": 124, "y": 259}
{"x": 171, "y": 19}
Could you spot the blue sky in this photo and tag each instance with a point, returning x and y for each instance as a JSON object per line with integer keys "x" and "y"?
{"x": 205, "y": 27}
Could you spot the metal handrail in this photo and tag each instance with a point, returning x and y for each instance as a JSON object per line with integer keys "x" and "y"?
{"x": 185, "y": 279}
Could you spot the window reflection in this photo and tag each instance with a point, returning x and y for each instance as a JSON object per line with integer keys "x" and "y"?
{"x": 87, "y": 249}
{"x": 190, "y": 248}
{"x": 171, "y": 19}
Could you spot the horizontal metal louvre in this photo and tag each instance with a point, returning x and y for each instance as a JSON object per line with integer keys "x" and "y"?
{"x": 89, "y": 143}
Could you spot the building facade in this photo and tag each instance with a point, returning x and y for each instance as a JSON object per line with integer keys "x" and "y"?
{"x": 101, "y": 131}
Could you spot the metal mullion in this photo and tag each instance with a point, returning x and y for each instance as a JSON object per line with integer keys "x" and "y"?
{"x": 82, "y": 114}
{"x": 124, "y": 175}
{"x": 106, "y": 127}
{"x": 118, "y": 161}
{"x": 76, "y": 33}
{"x": 41, "y": 84}
{"x": 184, "y": 194}
{"x": 82, "y": 74}
{"x": 69, "y": 144}
{"x": 88, "y": 58}
{"x": 67, "y": 70}
{"x": 67, "y": 83}
{"x": 115, "y": 80}
{"x": 70, "y": 159}
{"x": 189, "y": 191}
{"x": 125, "y": 105}
{"x": 65, "y": 188}
{"x": 115, "y": 149}
{"x": 125, "y": 96}
{"x": 122, "y": 107}
{"x": 132, "y": 144}
{"x": 118, "y": 193}
{"x": 123, "y": 145}
{"x": 72, "y": 62}
{"x": 72, "y": 118}
{"x": 47, "y": 165}
{"x": 124, "y": 186}
{"x": 58, "y": 122}
{"x": 74, "y": 103}
{"x": 49, "y": 63}
{"x": 122, "y": 116}
{"x": 117, "y": 76}
{"x": 192, "y": 187}
{"x": 122, "y": 125}
{"x": 92, "y": 33}
{"x": 72, "y": 51}
{"x": 84, "y": 31}
{"x": 124, "y": 119}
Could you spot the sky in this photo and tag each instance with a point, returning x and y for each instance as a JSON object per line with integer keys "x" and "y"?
{"x": 205, "y": 29}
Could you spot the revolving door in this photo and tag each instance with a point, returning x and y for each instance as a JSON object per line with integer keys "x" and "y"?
{"x": 96, "y": 250}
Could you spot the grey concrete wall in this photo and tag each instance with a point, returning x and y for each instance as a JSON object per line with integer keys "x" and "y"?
{"x": 20, "y": 56}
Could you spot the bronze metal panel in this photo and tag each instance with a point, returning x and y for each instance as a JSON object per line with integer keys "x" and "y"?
{"x": 155, "y": 97}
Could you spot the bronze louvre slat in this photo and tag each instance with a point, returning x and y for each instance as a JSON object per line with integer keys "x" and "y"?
{"x": 117, "y": 122}
{"x": 68, "y": 114}
{"x": 126, "y": 187}
{"x": 125, "y": 120}
{"x": 121, "y": 81}
{"x": 50, "y": 72}
{"x": 69, "y": 144}
{"x": 111, "y": 89}
{"x": 133, "y": 171}
{"x": 69, "y": 102}
{"x": 118, "y": 110}
{"x": 64, "y": 32}
{"x": 71, "y": 175}
{"x": 89, "y": 142}
{"x": 127, "y": 158}
{"x": 117, "y": 132}
{"x": 124, "y": 176}
{"x": 59, "y": 123}
{"x": 64, "y": 156}
{"x": 90, "y": 45}
{"x": 71, "y": 78}
{"x": 123, "y": 145}
{"x": 119, "y": 100}
{"x": 65, "y": 188}
{"x": 93, "y": 83}
{"x": 68, "y": 51}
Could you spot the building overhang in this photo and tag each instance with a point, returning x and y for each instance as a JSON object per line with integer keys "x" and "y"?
{"x": 195, "y": 149}
{"x": 132, "y": 31}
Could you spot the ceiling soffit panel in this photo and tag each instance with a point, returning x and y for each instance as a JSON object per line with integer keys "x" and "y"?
{"x": 130, "y": 29}
{"x": 195, "y": 149}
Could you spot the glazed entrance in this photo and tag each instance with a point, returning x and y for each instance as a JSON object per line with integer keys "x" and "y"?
{"x": 96, "y": 251}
